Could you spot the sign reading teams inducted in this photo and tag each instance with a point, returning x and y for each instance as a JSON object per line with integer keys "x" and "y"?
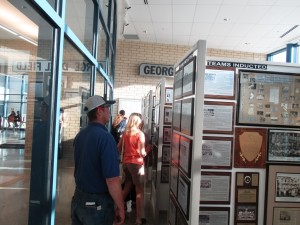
{"x": 156, "y": 70}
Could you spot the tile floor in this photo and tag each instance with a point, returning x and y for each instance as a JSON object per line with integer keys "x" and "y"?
{"x": 15, "y": 183}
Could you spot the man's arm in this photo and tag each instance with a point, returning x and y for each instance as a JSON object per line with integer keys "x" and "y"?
{"x": 115, "y": 190}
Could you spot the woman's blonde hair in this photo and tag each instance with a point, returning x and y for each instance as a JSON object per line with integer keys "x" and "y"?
{"x": 134, "y": 123}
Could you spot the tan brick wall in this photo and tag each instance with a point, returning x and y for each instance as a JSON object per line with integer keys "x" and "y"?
{"x": 130, "y": 54}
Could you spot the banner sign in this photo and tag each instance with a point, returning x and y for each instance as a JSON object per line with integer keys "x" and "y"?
{"x": 238, "y": 65}
{"x": 156, "y": 70}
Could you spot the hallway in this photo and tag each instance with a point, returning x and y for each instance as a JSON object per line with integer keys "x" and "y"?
{"x": 15, "y": 183}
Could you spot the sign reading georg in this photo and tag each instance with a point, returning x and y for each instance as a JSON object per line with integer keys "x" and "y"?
{"x": 156, "y": 70}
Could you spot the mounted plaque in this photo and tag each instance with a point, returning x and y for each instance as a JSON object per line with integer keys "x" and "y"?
{"x": 250, "y": 148}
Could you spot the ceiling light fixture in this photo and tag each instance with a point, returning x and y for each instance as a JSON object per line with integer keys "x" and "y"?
{"x": 19, "y": 35}
{"x": 289, "y": 31}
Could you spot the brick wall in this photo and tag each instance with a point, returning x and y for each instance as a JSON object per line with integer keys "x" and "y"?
{"x": 130, "y": 54}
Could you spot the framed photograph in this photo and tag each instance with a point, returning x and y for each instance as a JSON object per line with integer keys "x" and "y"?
{"x": 246, "y": 213}
{"x": 187, "y": 116}
{"x": 174, "y": 180}
{"x": 214, "y": 215}
{"x": 211, "y": 190}
{"x": 217, "y": 152}
{"x": 188, "y": 80}
{"x": 278, "y": 177}
{"x": 172, "y": 210}
{"x": 165, "y": 174}
{"x": 287, "y": 187}
{"x": 168, "y": 96}
{"x": 178, "y": 84}
{"x": 268, "y": 98}
{"x": 185, "y": 152}
{"x": 219, "y": 83}
{"x": 166, "y": 154}
{"x": 180, "y": 218}
{"x": 167, "y": 135}
{"x": 184, "y": 194}
{"x": 175, "y": 148}
{"x": 284, "y": 145}
{"x": 250, "y": 148}
{"x": 167, "y": 115}
{"x": 176, "y": 119}
{"x": 218, "y": 117}
{"x": 286, "y": 216}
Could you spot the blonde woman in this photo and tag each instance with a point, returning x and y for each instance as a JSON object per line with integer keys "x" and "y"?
{"x": 133, "y": 140}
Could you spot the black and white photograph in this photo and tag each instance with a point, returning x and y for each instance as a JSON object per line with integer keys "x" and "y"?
{"x": 287, "y": 187}
{"x": 284, "y": 145}
{"x": 168, "y": 96}
{"x": 246, "y": 213}
{"x": 286, "y": 216}
{"x": 214, "y": 216}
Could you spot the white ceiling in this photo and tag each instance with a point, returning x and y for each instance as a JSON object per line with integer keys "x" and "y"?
{"x": 252, "y": 26}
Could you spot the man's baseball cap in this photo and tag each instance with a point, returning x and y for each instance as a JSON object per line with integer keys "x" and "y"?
{"x": 95, "y": 101}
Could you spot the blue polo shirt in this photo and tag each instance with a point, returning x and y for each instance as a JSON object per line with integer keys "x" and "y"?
{"x": 96, "y": 158}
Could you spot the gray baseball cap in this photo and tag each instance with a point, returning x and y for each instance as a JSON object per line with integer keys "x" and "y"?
{"x": 95, "y": 101}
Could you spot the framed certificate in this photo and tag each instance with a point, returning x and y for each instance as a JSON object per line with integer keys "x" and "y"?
{"x": 187, "y": 116}
{"x": 175, "y": 148}
{"x": 268, "y": 98}
{"x": 176, "y": 119}
{"x": 166, "y": 154}
{"x": 172, "y": 210}
{"x": 286, "y": 216}
{"x": 165, "y": 174}
{"x": 250, "y": 148}
{"x": 188, "y": 80}
{"x": 167, "y": 135}
{"x": 185, "y": 152}
{"x": 217, "y": 152}
{"x": 178, "y": 84}
{"x": 218, "y": 117}
{"x": 168, "y": 96}
{"x": 283, "y": 145}
{"x": 219, "y": 83}
{"x": 167, "y": 115}
{"x": 214, "y": 215}
{"x": 281, "y": 193}
{"x": 184, "y": 194}
{"x": 215, "y": 188}
{"x": 174, "y": 180}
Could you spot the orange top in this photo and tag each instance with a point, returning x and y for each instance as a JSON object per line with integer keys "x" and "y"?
{"x": 132, "y": 152}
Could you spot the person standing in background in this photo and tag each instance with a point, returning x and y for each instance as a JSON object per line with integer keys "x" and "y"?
{"x": 118, "y": 125}
{"x": 133, "y": 140}
{"x": 97, "y": 176}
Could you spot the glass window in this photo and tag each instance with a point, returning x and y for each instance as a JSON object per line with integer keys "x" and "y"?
{"x": 79, "y": 17}
{"x": 104, "y": 5}
{"x": 102, "y": 41}
{"x": 25, "y": 55}
{"x": 278, "y": 57}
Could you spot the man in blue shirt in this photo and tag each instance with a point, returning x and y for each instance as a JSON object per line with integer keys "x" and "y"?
{"x": 98, "y": 194}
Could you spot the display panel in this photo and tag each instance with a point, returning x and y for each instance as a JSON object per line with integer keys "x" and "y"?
{"x": 167, "y": 135}
{"x": 214, "y": 216}
{"x": 188, "y": 80}
{"x": 166, "y": 154}
{"x": 219, "y": 83}
{"x": 184, "y": 194}
{"x": 185, "y": 152}
{"x": 174, "y": 180}
{"x": 175, "y": 148}
{"x": 178, "y": 84}
{"x": 218, "y": 117}
{"x": 168, "y": 96}
{"x": 176, "y": 120}
{"x": 268, "y": 98}
{"x": 216, "y": 152}
{"x": 165, "y": 174}
{"x": 215, "y": 188}
{"x": 167, "y": 115}
{"x": 187, "y": 116}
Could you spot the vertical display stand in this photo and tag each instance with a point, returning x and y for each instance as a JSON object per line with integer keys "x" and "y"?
{"x": 186, "y": 150}
{"x": 161, "y": 150}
